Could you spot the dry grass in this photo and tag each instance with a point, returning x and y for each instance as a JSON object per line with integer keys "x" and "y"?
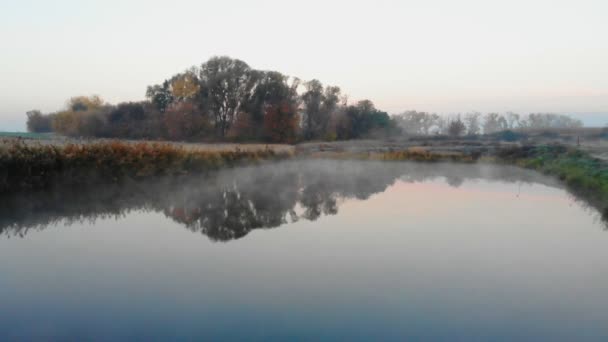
{"x": 60, "y": 141}
{"x": 411, "y": 154}
{"x": 26, "y": 165}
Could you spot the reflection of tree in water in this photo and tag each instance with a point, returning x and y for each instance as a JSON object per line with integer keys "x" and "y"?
{"x": 268, "y": 198}
{"x": 318, "y": 199}
{"x": 229, "y": 204}
{"x": 230, "y": 211}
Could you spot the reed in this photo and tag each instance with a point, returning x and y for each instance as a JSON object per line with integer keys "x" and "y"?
{"x": 34, "y": 166}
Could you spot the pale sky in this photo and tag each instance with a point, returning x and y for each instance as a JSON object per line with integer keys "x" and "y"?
{"x": 432, "y": 55}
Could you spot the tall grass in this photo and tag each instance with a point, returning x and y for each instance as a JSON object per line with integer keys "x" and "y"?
{"x": 27, "y": 166}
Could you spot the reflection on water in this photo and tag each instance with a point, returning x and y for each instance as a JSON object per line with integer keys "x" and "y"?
{"x": 230, "y": 204}
{"x": 365, "y": 251}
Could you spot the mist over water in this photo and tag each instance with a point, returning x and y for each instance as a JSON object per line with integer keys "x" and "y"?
{"x": 307, "y": 250}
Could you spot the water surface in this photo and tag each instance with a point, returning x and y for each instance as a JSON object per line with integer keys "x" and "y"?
{"x": 307, "y": 251}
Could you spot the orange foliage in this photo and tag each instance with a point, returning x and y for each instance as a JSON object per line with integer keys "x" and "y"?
{"x": 242, "y": 128}
{"x": 281, "y": 122}
{"x": 184, "y": 121}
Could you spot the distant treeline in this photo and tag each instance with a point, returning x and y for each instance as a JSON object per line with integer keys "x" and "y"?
{"x": 225, "y": 99}
{"x": 474, "y": 123}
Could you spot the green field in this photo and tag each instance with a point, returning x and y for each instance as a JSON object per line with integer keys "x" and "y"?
{"x": 26, "y": 135}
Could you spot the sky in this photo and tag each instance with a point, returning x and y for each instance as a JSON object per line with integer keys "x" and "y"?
{"x": 434, "y": 55}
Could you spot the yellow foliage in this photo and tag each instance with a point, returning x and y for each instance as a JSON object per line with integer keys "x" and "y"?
{"x": 84, "y": 103}
{"x": 184, "y": 87}
{"x": 66, "y": 122}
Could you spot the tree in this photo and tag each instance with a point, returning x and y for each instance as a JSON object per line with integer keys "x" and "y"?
{"x": 363, "y": 120}
{"x": 550, "y": 120}
{"x": 339, "y": 125}
{"x": 183, "y": 121}
{"x": 318, "y": 103}
{"x": 311, "y": 100}
{"x": 280, "y": 123}
{"x": 331, "y": 100}
{"x": 126, "y": 120}
{"x": 513, "y": 120}
{"x": 84, "y": 103}
{"x": 494, "y": 122}
{"x": 272, "y": 88}
{"x": 413, "y": 122}
{"x": 456, "y": 127}
{"x": 472, "y": 123}
{"x": 228, "y": 84}
{"x": 243, "y": 128}
{"x": 185, "y": 86}
{"x": 83, "y": 117}
{"x": 38, "y": 122}
{"x": 160, "y": 95}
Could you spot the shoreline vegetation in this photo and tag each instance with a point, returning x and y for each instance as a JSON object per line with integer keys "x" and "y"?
{"x": 34, "y": 166}
{"x": 26, "y": 166}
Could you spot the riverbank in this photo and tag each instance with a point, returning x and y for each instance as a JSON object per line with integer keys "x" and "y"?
{"x": 582, "y": 173}
{"x": 37, "y": 166}
{"x": 31, "y": 166}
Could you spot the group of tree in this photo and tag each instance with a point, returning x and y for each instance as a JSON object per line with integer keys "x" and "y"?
{"x": 474, "y": 123}
{"x": 226, "y": 99}
{"x": 222, "y": 99}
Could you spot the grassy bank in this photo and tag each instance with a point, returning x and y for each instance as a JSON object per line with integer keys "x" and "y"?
{"x": 26, "y": 166}
{"x": 583, "y": 174}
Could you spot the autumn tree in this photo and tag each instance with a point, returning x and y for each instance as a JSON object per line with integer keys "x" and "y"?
{"x": 318, "y": 104}
{"x": 339, "y": 125}
{"x": 331, "y": 101}
{"x": 184, "y": 121}
{"x": 271, "y": 89}
{"x": 84, "y": 103}
{"x": 125, "y": 120}
{"x": 280, "y": 123}
{"x": 281, "y": 119}
{"x": 38, "y": 122}
{"x": 225, "y": 98}
{"x": 82, "y": 117}
{"x": 185, "y": 86}
{"x": 160, "y": 95}
{"x": 243, "y": 128}
{"x": 364, "y": 120}
{"x": 227, "y": 84}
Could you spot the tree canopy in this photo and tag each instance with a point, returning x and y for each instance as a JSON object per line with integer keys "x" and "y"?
{"x": 226, "y": 99}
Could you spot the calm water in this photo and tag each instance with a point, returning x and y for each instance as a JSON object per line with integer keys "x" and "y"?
{"x": 307, "y": 251}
